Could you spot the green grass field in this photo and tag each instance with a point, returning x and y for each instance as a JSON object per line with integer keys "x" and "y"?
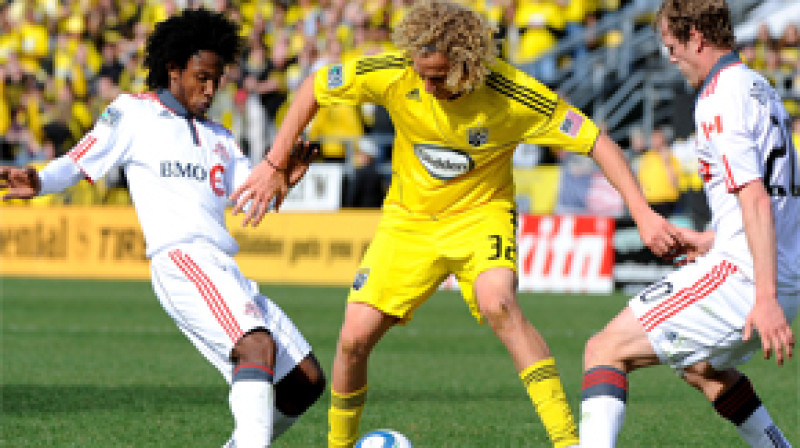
{"x": 99, "y": 364}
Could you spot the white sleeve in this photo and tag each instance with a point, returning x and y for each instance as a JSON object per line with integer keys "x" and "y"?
{"x": 59, "y": 175}
{"x": 106, "y": 144}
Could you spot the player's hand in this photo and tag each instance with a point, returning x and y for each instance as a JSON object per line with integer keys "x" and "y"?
{"x": 776, "y": 335}
{"x": 21, "y": 182}
{"x": 692, "y": 244}
{"x": 303, "y": 154}
{"x": 658, "y": 234}
{"x": 267, "y": 186}
{"x": 264, "y": 184}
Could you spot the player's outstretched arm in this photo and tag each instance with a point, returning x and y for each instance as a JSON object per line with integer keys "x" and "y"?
{"x": 21, "y": 182}
{"x": 272, "y": 178}
{"x": 656, "y": 232}
{"x": 767, "y": 315}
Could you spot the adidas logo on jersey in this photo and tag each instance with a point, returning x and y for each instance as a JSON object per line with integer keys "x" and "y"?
{"x": 413, "y": 95}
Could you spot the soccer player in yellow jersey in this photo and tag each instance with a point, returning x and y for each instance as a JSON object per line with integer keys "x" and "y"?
{"x": 458, "y": 113}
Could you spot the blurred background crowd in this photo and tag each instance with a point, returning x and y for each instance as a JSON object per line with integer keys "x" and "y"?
{"x": 62, "y": 62}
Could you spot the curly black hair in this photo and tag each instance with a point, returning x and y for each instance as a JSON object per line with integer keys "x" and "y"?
{"x": 181, "y": 36}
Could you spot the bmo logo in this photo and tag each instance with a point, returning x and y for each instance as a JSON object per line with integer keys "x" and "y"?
{"x": 565, "y": 253}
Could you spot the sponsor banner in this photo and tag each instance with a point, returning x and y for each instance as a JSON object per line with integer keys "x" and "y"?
{"x": 556, "y": 253}
{"x": 305, "y": 248}
{"x": 106, "y": 242}
{"x": 73, "y": 241}
{"x": 563, "y": 254}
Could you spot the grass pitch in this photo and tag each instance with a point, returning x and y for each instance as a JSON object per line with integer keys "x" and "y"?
{"x": 99, "y": 364}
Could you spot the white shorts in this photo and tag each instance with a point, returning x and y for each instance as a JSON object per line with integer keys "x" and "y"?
{"x": 697, "y": 313}
{"x": 212, "y": 302}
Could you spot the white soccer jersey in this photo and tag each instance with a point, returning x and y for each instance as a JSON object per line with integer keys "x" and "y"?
{"x": 180, "y": 169}
{"x": 743, "y": 135}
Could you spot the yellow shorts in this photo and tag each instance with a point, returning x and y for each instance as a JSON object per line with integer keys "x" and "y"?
{"x": 410, "y": 256}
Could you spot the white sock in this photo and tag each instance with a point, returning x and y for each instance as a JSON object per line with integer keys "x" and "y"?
{"x": 760, "y": 431}
{"x": 603, "y": 403}
{"x": 280, "y": 423}
{"x": 601, "y": 421}
{"x": 252, "y": 400}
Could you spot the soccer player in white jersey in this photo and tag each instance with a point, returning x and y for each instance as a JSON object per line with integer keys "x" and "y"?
{"x": 741, "y": 287}
{"x": 181, "y": 167}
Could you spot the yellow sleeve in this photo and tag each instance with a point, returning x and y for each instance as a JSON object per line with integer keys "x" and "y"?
{"x": 359, "y": 80}
{"x": 568, "y": 128}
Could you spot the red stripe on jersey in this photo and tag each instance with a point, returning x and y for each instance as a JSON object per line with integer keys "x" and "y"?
{"x": 687, "y": 296}
{"x": 209, "y": 293}
{"x": 729, "y": 182}
{"x": 82, "y": 147}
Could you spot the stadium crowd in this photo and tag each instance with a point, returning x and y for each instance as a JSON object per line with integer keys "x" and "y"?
{"x": 62, "y": 62}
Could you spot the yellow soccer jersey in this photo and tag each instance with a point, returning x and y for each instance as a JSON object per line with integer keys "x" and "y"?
{"x": 451, "y": 155}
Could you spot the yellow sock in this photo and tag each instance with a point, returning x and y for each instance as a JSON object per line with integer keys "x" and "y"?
{"x": 344, "y": 416}
{"x": 543, "y": 384}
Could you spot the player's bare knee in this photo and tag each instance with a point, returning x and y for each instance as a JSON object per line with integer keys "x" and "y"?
{"x": 708, "y": 380}
{"x": 257, "y": 346}
{"x": 602, "y": 350}
{"x": 592, "y": 352}
{"x": 501, "y": 313}
{"x": 354, "y": 346}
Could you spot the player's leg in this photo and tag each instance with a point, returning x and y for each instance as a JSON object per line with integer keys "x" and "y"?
{"x": 286, "y": 400}
{"x": 362, "y": 328}
{"x": 621, "y": 347}
{"x": 252, "y": 394}
{"x": 244, "y": 335}
{"x": 296, "y": 392}
{"x": 497, "y": 302}
{"x": 400, "y": 270}
{"x": 733, "y": 397}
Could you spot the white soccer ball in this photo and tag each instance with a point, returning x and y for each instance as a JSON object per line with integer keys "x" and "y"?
{"x": 384, "y": 438}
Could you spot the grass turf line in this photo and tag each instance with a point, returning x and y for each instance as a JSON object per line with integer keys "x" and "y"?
{"x": 98, "y": 363}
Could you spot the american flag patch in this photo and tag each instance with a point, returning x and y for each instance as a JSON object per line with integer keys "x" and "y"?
{"x": 572, "y": 123}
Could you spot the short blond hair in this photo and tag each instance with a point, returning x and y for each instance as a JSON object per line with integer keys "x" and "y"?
{"x": 464, "y": 36}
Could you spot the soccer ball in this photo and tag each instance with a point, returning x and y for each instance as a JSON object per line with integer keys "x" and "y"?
{"x": 384, "y": 438}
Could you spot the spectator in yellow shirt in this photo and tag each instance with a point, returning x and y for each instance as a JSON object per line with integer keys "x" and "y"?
{"x": 658, "y": 174}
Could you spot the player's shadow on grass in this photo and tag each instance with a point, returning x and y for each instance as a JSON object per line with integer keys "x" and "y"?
{"x": 27, "y": 398}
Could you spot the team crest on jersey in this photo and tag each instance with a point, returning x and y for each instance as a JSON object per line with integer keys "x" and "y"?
{"x": 478, "y": 136}
{"x": 219, "y": 149}
{"x": 110, "y": 116}
{"x": 360, "y": 279}
{"x": 335, "y": 76}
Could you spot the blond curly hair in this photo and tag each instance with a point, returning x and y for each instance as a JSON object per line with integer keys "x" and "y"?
{"x": 463, "y": 35}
